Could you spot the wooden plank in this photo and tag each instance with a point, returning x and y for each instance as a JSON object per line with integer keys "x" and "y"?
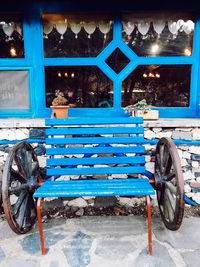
{"x": 95, "y": 170}
{"x": 95, "y": 160}
{"x": 95, "y": 150}
{"x": 95, "y": 140}
{"x": 90, "y": 130}
{"x": 93, "y": 121}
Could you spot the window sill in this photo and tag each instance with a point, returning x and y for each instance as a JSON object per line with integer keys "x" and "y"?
{"x": 161, "y": 123}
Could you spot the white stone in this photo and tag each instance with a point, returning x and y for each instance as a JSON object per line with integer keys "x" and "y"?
{"x": 5, "y": 156}
{"x": 187, "y": 188}
{"x": 131, "y": 201}
{"x": 198, "y": 179}
{"x": 196, "y": 197}
{"x": 196, "y": 134}
{"x": 184, "y": 162}
{"x": 1, "y": 160}
{"x": 190, "y": 194}
{"x": 2, "y": 153}
{"x": 180, "y": 153}
{"x": 185, "y": 148}
{"x": 42, "y": 161}
{"x": 149, "y": 134}
{"x": 119, "y": 176}
{"x": 186, "y": 129}
{"x": 188, "y": 175}
{"x": 75, "y": 177}
{"x": 157, "y": 130}
{"x": 77, "y": 202}
{"x": 86, "y": 198}
{"x": 195, "y": 164}
{"x": 186, "y": 155}
{"x": 163, "y": 134}
{"x": 11, "y": 134}
{"x": 64, "y": 178}
{"x": 194, "y": 149}
{"x": 150, "y": 167}
{"x": 149, "y": 147}
{"x": 148, "y": 158}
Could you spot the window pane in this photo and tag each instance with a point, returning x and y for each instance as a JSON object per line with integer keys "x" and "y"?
{"x": 11, "y": 36}
{"x": 14, "y": 89}
{"x": 159, "y": 34}
{"x": 160, "y": 85}
{"x": 76, "y": 35}
{"x": 84, "y": 86}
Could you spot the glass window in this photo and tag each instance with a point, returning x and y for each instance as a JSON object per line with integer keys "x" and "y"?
{"x": 76, "y": 35}
{"x": 160, "y": 85}
{"x": 83, "y": 86}
{"x": 11, "y": 36}
{"x": 159, "y": 34}
{"x": 14, "y": 89}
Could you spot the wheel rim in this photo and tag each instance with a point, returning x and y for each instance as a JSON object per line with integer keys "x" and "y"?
{"x": 19, "y": 182}
{"x": 169, "y": 184}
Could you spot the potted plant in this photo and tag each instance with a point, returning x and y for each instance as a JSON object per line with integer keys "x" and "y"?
{"x": 142, "y": 109}
{"x": 60, "y": 106}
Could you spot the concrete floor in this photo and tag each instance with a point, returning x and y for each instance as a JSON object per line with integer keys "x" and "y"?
{"x": 102, "y": 241}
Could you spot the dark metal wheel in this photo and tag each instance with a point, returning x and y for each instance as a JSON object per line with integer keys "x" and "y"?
{"x": 169, "y": 184}
{"x": 20, "y": 176}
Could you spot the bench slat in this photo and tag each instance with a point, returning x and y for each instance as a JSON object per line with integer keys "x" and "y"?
{"x": 95, "y": 188}
{"x": 95, "y": 150}
{"x": 95, "y": 160}
{"x": 99, "y": 130}
{"x": 95, "y": 140}
{"x": 93, "y": 121}
{"x": 95, "y": 170}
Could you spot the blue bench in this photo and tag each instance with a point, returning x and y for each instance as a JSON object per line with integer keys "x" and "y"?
{"x": 93, "y": 139}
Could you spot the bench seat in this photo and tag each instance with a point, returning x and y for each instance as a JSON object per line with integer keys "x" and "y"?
{"x": 122, "y": 187}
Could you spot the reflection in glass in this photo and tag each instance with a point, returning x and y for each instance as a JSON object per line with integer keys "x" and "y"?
{"x": 11, "y": 36}
{"x": 14, "y": 89}
{"x": 117, "y": 60}
{"x": 83, "y": 86}
{"x": 158, "y": 34}
{"x": 160, "y": 85}
{"x": 76, "y": 35}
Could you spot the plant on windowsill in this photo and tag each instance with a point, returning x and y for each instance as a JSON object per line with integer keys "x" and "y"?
{"x": 142, "y": 109}
{"x": 60, "y": 106}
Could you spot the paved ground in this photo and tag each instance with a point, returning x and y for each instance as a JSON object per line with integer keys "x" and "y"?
{"x": 102, "y": 241}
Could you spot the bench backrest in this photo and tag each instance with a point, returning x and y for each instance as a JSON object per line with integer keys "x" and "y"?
{"x": 88, "y": 146}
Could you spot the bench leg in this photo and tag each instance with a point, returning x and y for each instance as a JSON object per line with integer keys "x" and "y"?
{"x": 149, "y": 224}
{"x": 44, "y": 250}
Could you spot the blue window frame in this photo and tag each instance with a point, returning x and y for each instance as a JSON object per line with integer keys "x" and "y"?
{"x": 35, "y": 62}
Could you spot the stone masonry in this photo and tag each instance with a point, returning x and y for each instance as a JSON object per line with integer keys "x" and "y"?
{"x": 189, "y": 154}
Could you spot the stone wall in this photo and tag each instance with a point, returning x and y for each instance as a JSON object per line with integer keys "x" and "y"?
{"x": 189, "y": 150}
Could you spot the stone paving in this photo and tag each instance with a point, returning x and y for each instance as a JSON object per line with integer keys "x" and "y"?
{"x": 102, "y": 241}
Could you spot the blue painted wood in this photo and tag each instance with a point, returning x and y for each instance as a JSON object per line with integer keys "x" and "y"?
{"x": 94, "y": 187}
{"x": 95, "y": 140}
{"x": 89, "y": 130}
{"x": 95, "y": 150}
{"x": 95, "y": 170}
{"x": 95, "y": 160}
{"x": 93, "y": 121}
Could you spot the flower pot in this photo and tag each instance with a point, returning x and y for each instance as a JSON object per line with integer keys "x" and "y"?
{"x": 149, "y": 115}
{"x": 59, "y": 112}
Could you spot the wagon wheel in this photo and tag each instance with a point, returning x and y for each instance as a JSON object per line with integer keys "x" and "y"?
{"x": 169, "y": 184}
{"x": 19, "y": 182}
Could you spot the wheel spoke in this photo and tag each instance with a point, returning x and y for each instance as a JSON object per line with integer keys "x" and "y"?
{"x": 171, "y": 187}
{"x": 29, "y": 162}
{"x": 172, "y": 200}
{"x": 169, "y": 209}
{"x": 20, "y": 166}
{"x": 19, "y": 202}
{"x": 22, "y": 210}
{"x": 17, "y": 175}
{"x": 170, "y": 176}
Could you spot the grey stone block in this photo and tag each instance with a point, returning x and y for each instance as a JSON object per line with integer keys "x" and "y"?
{"x": 37, "y": 133}
{"x": 179, "y": 135}
{"x": 160, "y": 257}
{"x": 77, "y": 253}
{"x": 107, "y": 201}
{"x": 114, "y": 249}
{"x": 191, "y": 258}
{"x": 40, "y": 150}
{"x": 195, "y": 157}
